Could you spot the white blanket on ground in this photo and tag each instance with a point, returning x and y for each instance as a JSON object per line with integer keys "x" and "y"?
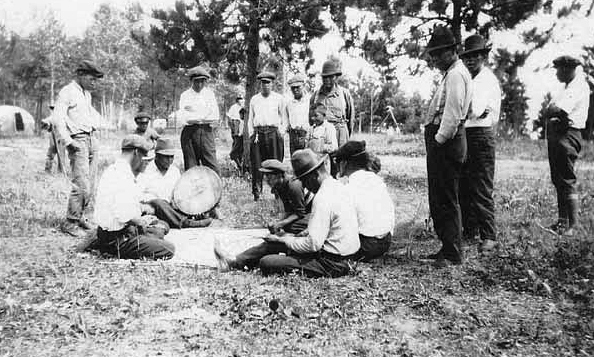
{"x": 196, "y": 245}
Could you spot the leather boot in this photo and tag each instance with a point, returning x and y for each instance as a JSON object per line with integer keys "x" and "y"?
{"x": 561, "y": 223}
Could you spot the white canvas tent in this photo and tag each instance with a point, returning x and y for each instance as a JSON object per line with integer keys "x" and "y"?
{"x": 15, "y": 121}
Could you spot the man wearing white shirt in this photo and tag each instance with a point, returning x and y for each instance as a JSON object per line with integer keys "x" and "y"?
{"x": 235, "y": 115}
{"x": 375, "y": 209}
{"x": 199, "y": 111}
{"x": 122, "y": 231}
{"x": 476, "y": 182}
{"x": 75, "y": 120}
{"x": 265, "y": 125}
{"x": 297, "y": 114}
{"x": 566, "y": 116}
{"x": 331, "y": 239}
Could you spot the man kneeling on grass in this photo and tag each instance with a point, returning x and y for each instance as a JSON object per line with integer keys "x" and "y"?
{"x": 122, "y": 231}
{"x": 296, "y": 200}
{"x": 329, "y": 242}
{"x": 375, "y": 209}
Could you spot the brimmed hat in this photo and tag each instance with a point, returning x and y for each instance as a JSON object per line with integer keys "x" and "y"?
{"x": 165, "y": 147}
{"x": 297, "y": 80}
{"x": 441, "y": 38}
{"x": 331, "y": 68}
{"x": 475, "y": 43}
{"x": 142, "y": 117}
{"x": 272, "y": 166}
{"x": 198, "y": 72}
{"x": 88, "y": 67}
{"x": 305, "y": 161}
{"x": 351, "y": 149}
{"x": 566, "y": 61}
{"x": 266, "y": 76}
{"x": 134, "y": 141}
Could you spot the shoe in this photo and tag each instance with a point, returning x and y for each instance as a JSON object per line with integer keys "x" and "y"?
{"x": 71, "y": 228}
{"x": 487, "y": 245}
{"x": 225, "y": 260}
{"x": 256, "y": 197}
{"x": 87, "y": 225}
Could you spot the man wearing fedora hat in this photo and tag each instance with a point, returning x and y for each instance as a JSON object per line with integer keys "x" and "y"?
{"x": 297, "y": 113}
{"x": 265, "y": 125}
{"x": 122, "y": 231}
{"x": 445, "y": 142}
{"x": 236, "y": 115}
{"x": 75, "y": 120}
{"x": 374, "y": 206}
{"x": 476, "y": 183}
{"x": 157, "y": 182}
{"x": 330, "y": 240}
{"x": 142, "y": 121}
{"x": 200, "y": 112}
{"x": 566, "y": 115}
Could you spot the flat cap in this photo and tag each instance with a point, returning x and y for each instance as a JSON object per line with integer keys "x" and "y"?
{"x": 566, "y": 61}
{"x": 266, "y": 76}
{"x": 134, "y": 141}
{"x": 142, "y": 117}
{"x": 272, "y": 166}
{"x": 88, "y": 67}
{"x": 297, "y": 80}
{"x": 198, "y": 72}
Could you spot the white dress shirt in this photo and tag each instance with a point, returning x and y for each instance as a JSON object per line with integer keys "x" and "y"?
{"x": 73, "y": 113}
{"x": 332, "y": 225}
{"x": 198, "y": 107}
{"x": 375, "y": 209}
{"x": 297, "y": 112}
{"x": 156, "y": 185}
{"x": 322, "y": 138}
{"x": 266, "y": 111}
{"x": 118, "y": 197}
{"x": 574, "y": 99}
{"x": 233, "y": 114}
{"x": 486, "y": 96}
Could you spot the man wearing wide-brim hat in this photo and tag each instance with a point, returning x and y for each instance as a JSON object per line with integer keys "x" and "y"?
{"x": 122, "y": 231}
{"x": 445, "y": 142}
{"x": 75, "y": 120}
{"x": 200, "y": 112}
{"x": 374, "y": 206}
{"x": 265, "y": 127}
{"x": 142, "y": 120}
{"x": 476, "y": 183}
{"x": 298, "y": 113}
{"x": 566, "y": 116}
{"x": 331, "y": 239}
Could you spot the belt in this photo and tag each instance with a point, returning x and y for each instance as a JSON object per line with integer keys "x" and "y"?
{"x": 80, "y": 135}
{"x": 298, "y": 130}
{"x": 205, "y": 125}
{"x": 337, "y": 122}
{"x": 265, "y": 127}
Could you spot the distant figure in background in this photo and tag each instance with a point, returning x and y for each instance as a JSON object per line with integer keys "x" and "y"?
{"x": 265, "y": 125}
{"x": 236, "y": 115}
{"x": 566, "y": 116}
{"x": 200, "y": 113}
{"x": 297, "y": 113}
{"x": 476, "y": 183}
{"x": 142, "y": 121}
{"x": 75, "y": 120}
{"x": 46, "y": 124}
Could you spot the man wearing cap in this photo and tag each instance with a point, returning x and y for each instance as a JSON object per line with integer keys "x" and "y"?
{"x": 265, "y": 125}
{"x": 142, "y": 120}
{"x": 200, "y": 112}
{"x": 476, "y": 183}
{"x": 335, "y": 100}
{"x": 445, "y": 143}
{"x": 329, "y": 242}
{"x": 375, "y": 209}
{"x": 566, "y": 115}
{"x": 122, "y": 231}
{"x": 297, "y": 113}
{"x": 236, "y": 125}
{"x": 74, "y": 120}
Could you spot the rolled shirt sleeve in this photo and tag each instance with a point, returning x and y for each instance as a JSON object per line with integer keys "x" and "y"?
{"x": 318, "y": 228}
{"x": 456, "y": 106}
{"x": 60, "y": 113}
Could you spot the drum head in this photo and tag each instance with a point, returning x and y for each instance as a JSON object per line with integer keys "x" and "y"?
{"x": 197, "y": 191}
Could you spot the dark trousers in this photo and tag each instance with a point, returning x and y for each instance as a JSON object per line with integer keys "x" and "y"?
{"x": 476, "y": 184}
{"x": 373, "y": 247}
{"x": 270, "y": 145}
{"x": 198, "y": 146}
{"x": 444, "y": 166}
{"x": 297, "y": 139}
{"x": 236, "y": 153}
{"x": 176, "y": 219}
{"x": 130, "y": 243}
{"x": 564, "y": 146}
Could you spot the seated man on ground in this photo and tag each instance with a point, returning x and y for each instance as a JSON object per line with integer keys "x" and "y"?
{"x": 375, "y": 210}
{"x": 296, "y": 202}
{"x": 329, "y": 242}
{"x": 157, "y": 183}
{"x": 122, "y": 231}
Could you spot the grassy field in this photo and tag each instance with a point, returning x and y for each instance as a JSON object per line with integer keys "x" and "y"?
{"x": 534, "y": 296}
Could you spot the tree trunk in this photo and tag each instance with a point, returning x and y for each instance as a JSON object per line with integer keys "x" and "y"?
{"x": 253, "y": 53}
{"x": 457, "y": 20}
